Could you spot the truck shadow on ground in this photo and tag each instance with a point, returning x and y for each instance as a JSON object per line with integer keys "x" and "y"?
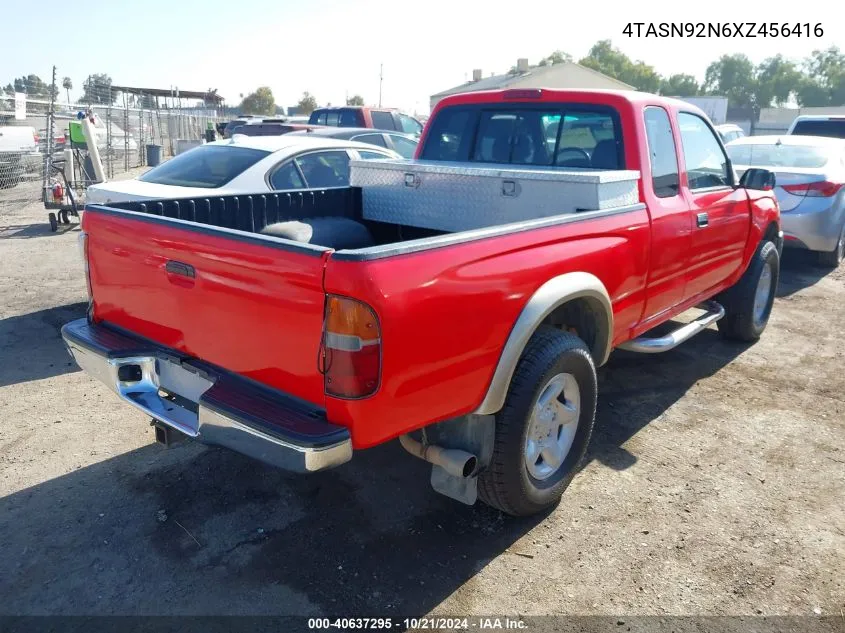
{"x": 206, "y": 531}
{"x": 635, "y": 389}
{"x": 32, "y": 346}
{"x": 798, "y": 270}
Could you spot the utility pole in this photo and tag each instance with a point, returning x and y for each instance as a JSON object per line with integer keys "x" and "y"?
{"x": 380, "y": 80}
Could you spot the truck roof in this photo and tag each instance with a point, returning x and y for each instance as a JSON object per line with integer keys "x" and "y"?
{"x": 547, "y": 95}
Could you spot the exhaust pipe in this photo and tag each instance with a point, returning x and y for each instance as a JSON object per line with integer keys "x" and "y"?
{"x": 454, "y": 461}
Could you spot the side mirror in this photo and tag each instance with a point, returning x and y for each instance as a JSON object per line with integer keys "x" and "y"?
{"x": 756, "y": 178}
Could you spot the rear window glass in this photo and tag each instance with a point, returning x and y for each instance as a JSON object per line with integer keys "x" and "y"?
{"x": 349, "y": 118}
{"x": 558, "y": 135}
{"x": 834, "y": 128}
{"x": 777, "y": 155}
{"x": 449, "y": 135}
{"x": 332, "y": 117}
{"x": 207, "y": 166}
{"x": 372, "y": 139}
{"x": 382, "y": 120}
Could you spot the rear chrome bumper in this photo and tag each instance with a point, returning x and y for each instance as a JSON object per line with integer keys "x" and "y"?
{"x": 211, "y": 405}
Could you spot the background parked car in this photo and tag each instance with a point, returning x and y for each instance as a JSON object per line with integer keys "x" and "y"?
{"x": 729, "y": 132}
{"x": 810, "y": 173}
{"x": 18, "y": 153}
{"x": 832, "y": 126}
{"x": 244, "y": 165}
{"x": 403, "y": 144}
{"x": 268, "y": 127}
{"x": 231, "y": 125}
{"x": 361, "y": 116}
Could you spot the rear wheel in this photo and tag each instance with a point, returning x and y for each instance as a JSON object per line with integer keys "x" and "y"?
{"x": 832, "y": 259}
{"x": 748, "y": 304}
{"x": 543, "y": 429}
{"x": 54, "y": 224}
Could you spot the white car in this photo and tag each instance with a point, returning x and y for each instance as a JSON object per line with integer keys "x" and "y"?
{"x": 244, "y": 164}
{"x": 18, "y": 153}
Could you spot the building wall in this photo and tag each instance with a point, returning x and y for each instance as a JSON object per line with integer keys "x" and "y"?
{"x": 566, "y": 76}
{"x": 569, "y": 77}
{"x": 778, "y": 120}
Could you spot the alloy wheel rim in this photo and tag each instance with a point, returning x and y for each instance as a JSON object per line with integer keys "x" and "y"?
{"x": 552, "y": 427}
{"x": 761, "y": 296}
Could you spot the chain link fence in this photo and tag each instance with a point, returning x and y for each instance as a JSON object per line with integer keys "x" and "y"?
{"x": 35, "y": 119}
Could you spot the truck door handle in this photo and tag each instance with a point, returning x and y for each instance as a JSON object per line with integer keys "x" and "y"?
{"x": 180, "y": 273}
{"x": 702, "y": 220}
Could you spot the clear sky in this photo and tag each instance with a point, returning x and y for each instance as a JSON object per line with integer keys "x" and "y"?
{"x": 329, "y": 47}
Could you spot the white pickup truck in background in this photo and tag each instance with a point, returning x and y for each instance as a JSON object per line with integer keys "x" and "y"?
{"x": 18, "y": 153}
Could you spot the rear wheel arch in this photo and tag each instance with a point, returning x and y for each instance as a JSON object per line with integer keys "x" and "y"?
{"x": 577, "y": 302}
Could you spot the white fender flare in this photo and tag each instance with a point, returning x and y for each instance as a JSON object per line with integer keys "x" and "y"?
{"x": 552, "y": 294}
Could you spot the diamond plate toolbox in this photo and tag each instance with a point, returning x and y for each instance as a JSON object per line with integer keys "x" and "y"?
{"x": 463, "y": 196}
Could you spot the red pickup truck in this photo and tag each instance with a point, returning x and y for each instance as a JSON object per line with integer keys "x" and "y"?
{"x": 460, "y": 302}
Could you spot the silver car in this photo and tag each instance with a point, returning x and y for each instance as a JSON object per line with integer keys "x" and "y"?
{"x": 810, "y": 173}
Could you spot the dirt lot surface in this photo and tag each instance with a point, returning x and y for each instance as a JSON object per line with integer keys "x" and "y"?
{"x": 715, "y": 485}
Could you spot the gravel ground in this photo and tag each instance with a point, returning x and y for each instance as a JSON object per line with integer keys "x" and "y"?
{"x": 714, "y": 485}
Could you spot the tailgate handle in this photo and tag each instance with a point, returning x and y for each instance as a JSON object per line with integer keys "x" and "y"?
{"x": 510, "y": 188}
{"x": 412, "y": 180}
{"x": 180, "y": 268}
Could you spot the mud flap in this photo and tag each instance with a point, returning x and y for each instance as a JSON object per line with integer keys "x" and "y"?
{"x": 472, "y": 433}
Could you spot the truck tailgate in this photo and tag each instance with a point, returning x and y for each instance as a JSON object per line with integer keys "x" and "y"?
{"x": 245, "y": 303}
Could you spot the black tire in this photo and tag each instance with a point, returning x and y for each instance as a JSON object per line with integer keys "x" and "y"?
{"x": 832, "y": 259}
{"x": 63, "y": 217}
{"x": 54, "y": 223}
{"x": 506, "y": 483}
{"x": 740, "y": 322}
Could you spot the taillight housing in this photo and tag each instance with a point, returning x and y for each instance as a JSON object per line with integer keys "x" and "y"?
{"x": 818, "y": 189}
{"x": 351, "y": 352}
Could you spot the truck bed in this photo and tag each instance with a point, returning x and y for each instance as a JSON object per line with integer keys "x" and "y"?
{"x": 197, "y": 276}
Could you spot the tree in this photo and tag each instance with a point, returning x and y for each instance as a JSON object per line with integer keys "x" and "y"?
{"x": 67, "y": 84}
{"x": 826, "y": 67}
{"x": 606, "y": 59}
{"x": 558, "y": 57}
{"x": 679, "y": 85}
{"x": 355, "y": 100}
{"x": 732, "y": 76}
{"x": 31, "y": 84}
{"x": 259, "y": 102}
{"x": 824, "y": 79}
{"x": 97, "y": 89}
{"x": 307, "y": 104}
{"x": 776, "y": 78}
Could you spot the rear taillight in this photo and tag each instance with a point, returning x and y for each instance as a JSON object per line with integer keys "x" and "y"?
{"x": 351, "y": 355}
{"x": 818, "y": 189}
{"x": 83, "y": 253}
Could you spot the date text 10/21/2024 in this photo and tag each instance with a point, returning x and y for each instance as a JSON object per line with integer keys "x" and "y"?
{"x": 419, "y": 624}
{"x": 723, "y": 29}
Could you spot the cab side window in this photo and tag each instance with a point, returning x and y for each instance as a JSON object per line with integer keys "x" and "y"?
{"x": 661, "y": 153}
{"x": 707, "y": 165}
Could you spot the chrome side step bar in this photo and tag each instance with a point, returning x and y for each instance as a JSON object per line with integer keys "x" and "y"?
{"x": 645, "y": 345}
